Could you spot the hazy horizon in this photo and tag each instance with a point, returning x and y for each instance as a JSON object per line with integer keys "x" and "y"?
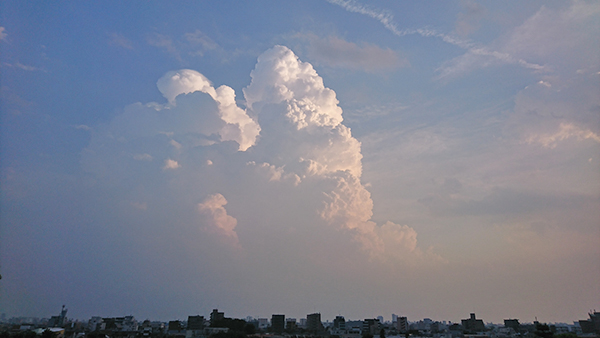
{"x": 342, "y": 157}
{"x": 386, "y": 318}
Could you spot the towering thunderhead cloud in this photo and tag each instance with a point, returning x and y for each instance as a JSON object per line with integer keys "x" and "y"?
{"x": 300, "y": 143}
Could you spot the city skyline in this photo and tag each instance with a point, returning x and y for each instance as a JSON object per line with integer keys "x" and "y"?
{"x": 336, "y": 156}
{"x": 217, "y": 316}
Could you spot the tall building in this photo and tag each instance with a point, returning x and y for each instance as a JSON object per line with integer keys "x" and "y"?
{"x": 277, "y": 323}
{"x": 372, "y": 326}
{"x": 290, "y": 324}
{"x": 215, "y": 316}
{"x": 313, "y": 323}
{"x": 195, "y": 327}
{"x": 402, "y": 324}
{"x": 339, "y": 323}
{"x": 472, "y": 324}
{"x": 58, "y": 321}
{"x": 263, "y": 323}
{"x": 591, "y": 325}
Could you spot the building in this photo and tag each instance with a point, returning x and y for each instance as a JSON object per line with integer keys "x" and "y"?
{"x": 339, "y": 326}
{"x": 591, "y": 325}
{"x": 216, "y": 316}
{"x": 195, "y": 323}
{"x": 195, "y": 326}
{"x": 95, "y": 323}
{"x": 290, "y": 324}
{"x": 372, "y": 326}
{"x": 175, "y": 327}
{"x": 339, "y": 323}
{"x": 402, "y": 324}
{"x": 114, "y": 324}
{"x": 277, "y": 323}
{"x": 263, "y": 323}
{"x": 313, "y": 323}
{"x": 472, "y": 324}
{"x": 129, "y": 323}
{"x": 58, "y": 321}
{"x": 595, "y": 318}
{"x": 512, "y": 324}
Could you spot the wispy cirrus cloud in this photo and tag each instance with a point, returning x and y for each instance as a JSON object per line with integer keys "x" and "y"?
{"x": 165, "y": 42}
{"x": 191, "y": 44}
{"x": 24, "y": 67}
{"x": 336, "y": 52}
{"x": 3, "y": 33}
{"x": 117, "y": 39}
{"x": 386, "y": 18}
{"x": 566, "y": 131}
{"x": 201, "y": 40}
{"x": 83, "y": 127}
{"x": 468, "y": 21}
{"x": 549, "y": 36}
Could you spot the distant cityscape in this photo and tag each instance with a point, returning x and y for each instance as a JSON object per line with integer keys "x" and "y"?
{"x": 217, "y": 325}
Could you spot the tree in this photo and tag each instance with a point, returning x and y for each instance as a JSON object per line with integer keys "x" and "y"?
{"x": 229, "y": 334}
{"x": 566, "y": 335}
{"x": 543, "y": 331}
{"x": 48, "y": 334}
{"x": 249, "y": 329}
{"x": 382, "y": 333}
{"x": 232, "y": 324}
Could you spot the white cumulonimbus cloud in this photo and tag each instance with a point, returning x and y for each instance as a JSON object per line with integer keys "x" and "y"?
{"x": 303, "y": 151}
{"x": 239, "y": 126}
{"x": 327, "y": 148}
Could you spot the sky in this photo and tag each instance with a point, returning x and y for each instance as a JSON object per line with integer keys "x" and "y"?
{"x": 355, "y": 158}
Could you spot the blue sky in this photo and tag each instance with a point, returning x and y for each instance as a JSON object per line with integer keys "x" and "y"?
{"x": 428, "y": 159}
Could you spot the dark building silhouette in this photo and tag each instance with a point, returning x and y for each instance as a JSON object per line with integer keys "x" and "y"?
{"x": 290, "y": 324}
{"x": 58, "y": 321}
{"x": 456, "y": 329}
{"x": 313, "y": 323}
{"x": 277, "y": 323}
{"x": 591, "y": 325}
{"x": 216, "y": 316}
{"x": 402, "y": 324}
{"x": 472, "y": 324}
{"x": 195, "y": 323}
{"x": 175, "y": 327}
{"x": 513, "y": 324}
{"x": 372, "y": 326}
{"x": 339, "y": 323}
